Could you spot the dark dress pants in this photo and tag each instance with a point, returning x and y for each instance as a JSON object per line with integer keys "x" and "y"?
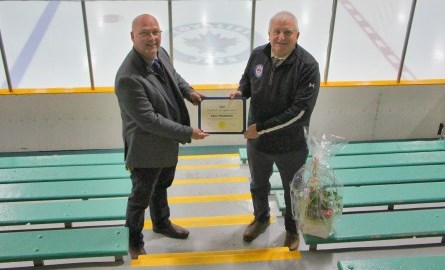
{"x": 149, "y": 189}
{"x": 261, "y": 168}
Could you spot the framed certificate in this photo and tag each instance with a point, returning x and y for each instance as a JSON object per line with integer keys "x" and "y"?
{"x": 222, "y": 115}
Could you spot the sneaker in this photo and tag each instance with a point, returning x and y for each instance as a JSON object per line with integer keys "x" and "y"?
{"x": 136, "y": 251}
{"x": 254, "y": 229}
{"x": 292, "y": 241}
{"x": 173, "y": 231}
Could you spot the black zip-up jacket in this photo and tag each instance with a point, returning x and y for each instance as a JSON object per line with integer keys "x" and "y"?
{"x": 282, "y": 100}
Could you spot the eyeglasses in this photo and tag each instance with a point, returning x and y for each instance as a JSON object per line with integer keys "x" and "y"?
{"x": 156, "y": 33}
{"x": 286, "y": 33}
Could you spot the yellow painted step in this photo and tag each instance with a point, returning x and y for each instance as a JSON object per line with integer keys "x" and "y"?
{"x": 210, "y": 221}
{"x": 210, "y": 156}
{"x": 216, "y": 257}
{"x": 207, "y": 166}
{"x": 213, "y": 180}
{"x": 210, "y": 198}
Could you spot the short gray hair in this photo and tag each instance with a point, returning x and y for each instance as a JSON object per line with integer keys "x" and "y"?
{"x": 284, "y": 15}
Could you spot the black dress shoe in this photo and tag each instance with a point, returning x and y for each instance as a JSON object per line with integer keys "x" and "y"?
{"x": 136, "y": 251}
{"x": 173, "y": 231}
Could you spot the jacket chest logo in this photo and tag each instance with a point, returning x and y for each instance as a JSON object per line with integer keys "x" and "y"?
{"x": 258, "y": 71}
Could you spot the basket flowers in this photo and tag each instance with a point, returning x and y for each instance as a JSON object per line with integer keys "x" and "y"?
{"x": 317, "y": 200}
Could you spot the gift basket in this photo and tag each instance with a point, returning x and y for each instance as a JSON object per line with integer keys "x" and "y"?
{"x": 316, "y": 194}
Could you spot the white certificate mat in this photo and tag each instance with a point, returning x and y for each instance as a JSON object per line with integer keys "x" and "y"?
{"x": 222, "y": 115}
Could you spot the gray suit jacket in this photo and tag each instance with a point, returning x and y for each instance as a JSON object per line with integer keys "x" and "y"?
{"x": 151, "y": 132}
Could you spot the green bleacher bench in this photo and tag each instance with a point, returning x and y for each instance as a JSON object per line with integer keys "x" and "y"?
{"x": 61, "y": 160}
{"x": 391, "y": 175}
{"x": 67, "y": 212}
{"x": 63, "y": 173}
{"x": 79, "y": 158}
{"x": 63, "y": 190}
{"x": 380, "y": 148}
{"x": 54, "y": 190}
{"x": 394, "y": 194}
{"x": 409, "y": 146}
{"x": 381, "y": 175}
{"x": 385, "y": 195}
{"x": 243, "y": 155}
{"x": 373, "y": 226}
{"x": 41, "y": 245}
{"x": 385, "y": 160}
{"x": 275, "y": 181}
{"x": 406, "y": 263}
{"x": 409, "y": 177}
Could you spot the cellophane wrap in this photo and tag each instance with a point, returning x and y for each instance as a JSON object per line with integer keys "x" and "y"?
{"x": 316, "y": 194}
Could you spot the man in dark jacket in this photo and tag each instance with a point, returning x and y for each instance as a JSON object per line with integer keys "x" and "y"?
{"x": 282, "y": 81}
{"x": 154, "y": 121}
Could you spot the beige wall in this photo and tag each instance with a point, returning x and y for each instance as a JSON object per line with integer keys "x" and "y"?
{"x": 91, "y": 121}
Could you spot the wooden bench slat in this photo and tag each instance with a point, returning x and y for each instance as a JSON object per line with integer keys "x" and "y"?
{"x": 387, "y": 160}
{"x": 378, "y": 195}
{"x": 380, "y": 176}
{"x": 413, "y": 193}
{"x": 68, "y": 173}
{"x": 385, "y": 225}
{"x": 366, "y": 148}
{"x": 63, "y": 244}
{"x": 392, "y": 147}
{"x": 243, "y": 154}
{"x": 384, "y": 160}
{"x": 61, "y": 160}
{"x": 275, "y": 181}
{"x": 95, "y": 157}
{"x": 65, "y": 190}
{"x": 62, "y": 211}
{"x": 391, "y": 175}
{"x": 63, "y": 173}
{"x": 405, "y": 263}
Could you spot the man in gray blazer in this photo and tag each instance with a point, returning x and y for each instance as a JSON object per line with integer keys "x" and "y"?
{"x": 154, "y": 121}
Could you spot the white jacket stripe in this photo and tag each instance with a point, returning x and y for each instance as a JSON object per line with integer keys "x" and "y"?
{"x": 282, "y": 125}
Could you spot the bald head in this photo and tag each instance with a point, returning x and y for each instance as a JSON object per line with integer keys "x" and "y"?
{"x": 146, "y": 36}
{"x": 142, "y": 18}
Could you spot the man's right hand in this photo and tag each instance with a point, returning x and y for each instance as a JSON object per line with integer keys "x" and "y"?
{"x": 198, "y": 134}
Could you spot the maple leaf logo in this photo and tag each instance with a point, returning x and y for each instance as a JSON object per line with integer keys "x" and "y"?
{"x": 210, "y": 43}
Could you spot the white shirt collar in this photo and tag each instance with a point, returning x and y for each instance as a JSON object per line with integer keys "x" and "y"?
{"x": 279, "y": 58}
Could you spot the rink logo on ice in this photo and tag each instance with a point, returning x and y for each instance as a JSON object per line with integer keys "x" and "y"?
{"x": 211, "y": 43}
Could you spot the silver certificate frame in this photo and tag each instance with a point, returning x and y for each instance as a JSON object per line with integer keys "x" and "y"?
{"x": 222, "y": 115}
